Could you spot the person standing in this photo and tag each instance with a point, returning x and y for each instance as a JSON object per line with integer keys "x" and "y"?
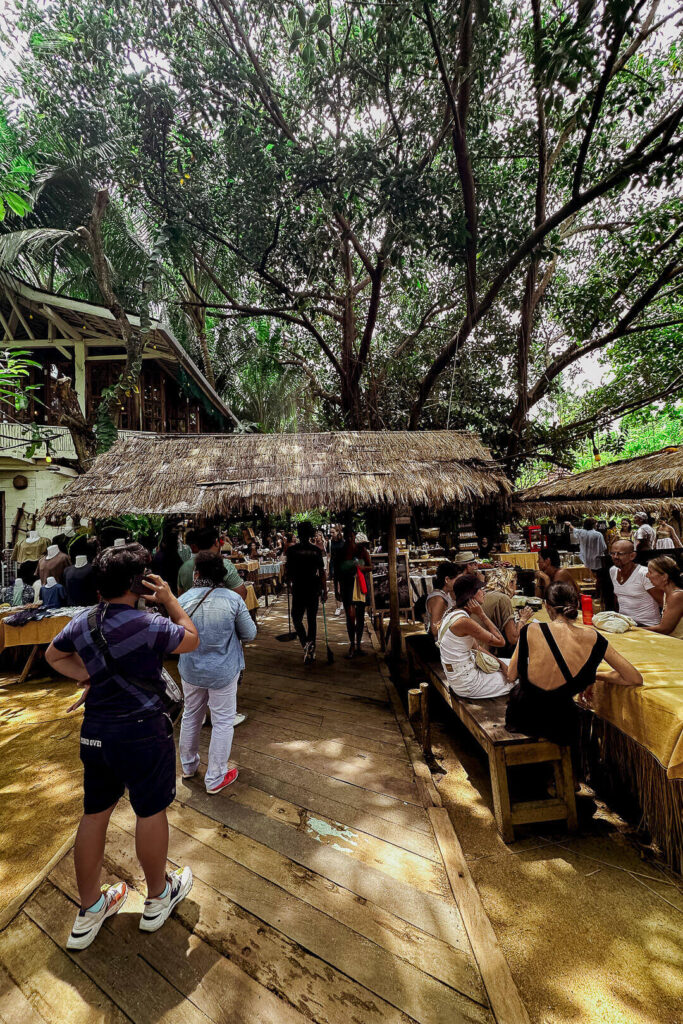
{"x": 208, "y": 540}
{"x": 126, "y": 735}
{"x": 667, "y": 538}
{"x": 355, "y": 558}
{"x": 210, "y": 674}
{"x": 625, "y": 530}
{"x": 336, "y": 556}
{"x": 635, "y": 593}
{"x": 591, "y": 543}
{"x": 305, "y": 573}
{"x": 645, "y": 538}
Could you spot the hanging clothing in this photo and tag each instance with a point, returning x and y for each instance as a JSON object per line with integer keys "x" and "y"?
{"x": 81, "y": 585}
{"x": 457, "y": 659}
{"x": 54, "y": 566}
{"x": 29, "y": 550}
{"x": 550, "y": 714}
{"x": 53, "y": 597}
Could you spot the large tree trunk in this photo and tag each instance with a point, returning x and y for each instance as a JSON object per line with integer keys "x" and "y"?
{"x": 70, "y": 415}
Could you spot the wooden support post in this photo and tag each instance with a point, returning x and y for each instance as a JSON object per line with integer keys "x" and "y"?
{"x": 414, "y": 699}
{"x": 426, "y": 725}
{"x": 29, "y": 662}
{"x": 394, "y": 614}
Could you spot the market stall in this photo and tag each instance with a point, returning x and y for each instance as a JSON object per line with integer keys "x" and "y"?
{"x": 649, "y": 483}
{"x": 34, "y": 634}
{"x": 216, "y": 475}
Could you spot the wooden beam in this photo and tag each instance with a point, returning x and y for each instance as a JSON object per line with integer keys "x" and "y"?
{"x": 504, "y": 997}
{"x": 8, "y": 334}
{"x": 394, "y": 612}
{"x": 62, "y": 324}
{"x": 38, "y": 343}
{"x": 16, "y": 309}
{"x": 121, "y": 357}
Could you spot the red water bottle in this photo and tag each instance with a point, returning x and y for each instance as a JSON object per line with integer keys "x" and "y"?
{"x": 587, "y": 609}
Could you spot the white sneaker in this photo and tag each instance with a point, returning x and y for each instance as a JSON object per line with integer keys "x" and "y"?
{"x": 159, "y": 909}
{"x": 88, "y": 922}
{"x": 239, "y": 719}
{"x": 338, "y": 611}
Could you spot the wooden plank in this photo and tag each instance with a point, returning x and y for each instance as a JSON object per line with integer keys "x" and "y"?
{"x": 501, "y": 795}
{"x": 326, "y": 759}
{"x": 504, "y": 997}
{"x": 392, "y": 860}
{"x": 538, "y": 810}
{"x": 380, "y": 804}
{"x": 532, "y": 753}
{"x": 288, "y": 726}
{"x": 330, "y": 682}
{"x": 268, "y": 701}
{"x": 407, "y": 980}
{"x": 408, "y": 839}
{"x": 215, "y": 984}
{"x": 271, "y": 680}
{"x": 113, "y": 962}
{"x": 14, "y": 1006}
{"x": 53, "y": 984}
{"x": 398, "y": 898}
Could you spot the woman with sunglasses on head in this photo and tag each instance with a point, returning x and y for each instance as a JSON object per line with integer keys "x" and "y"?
{"x": 462, "y": 633}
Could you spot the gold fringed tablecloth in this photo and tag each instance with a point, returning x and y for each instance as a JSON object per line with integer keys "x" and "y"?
{"x": 42, "y": 631}
{"x": 651, "y": 714}
{"x": 523, "y": 559}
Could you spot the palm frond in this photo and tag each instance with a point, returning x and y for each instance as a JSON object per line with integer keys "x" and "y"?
{"x": 30, "y": 242}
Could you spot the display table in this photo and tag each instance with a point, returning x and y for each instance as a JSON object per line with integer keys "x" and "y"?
{"x": 33, "y": 634}
{"x": 522, "y": 559}
{"x": 251, "y": 599}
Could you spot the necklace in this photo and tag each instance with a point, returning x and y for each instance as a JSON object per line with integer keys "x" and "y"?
{"x": 621, "y": 578}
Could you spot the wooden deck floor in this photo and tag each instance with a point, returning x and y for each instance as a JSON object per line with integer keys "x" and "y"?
{"x": 320, "y": 891}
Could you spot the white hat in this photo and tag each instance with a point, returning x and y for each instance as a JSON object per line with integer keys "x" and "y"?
{"x": 362, "y": 538}
{"x": 120, "y": 542}
{"x": 463, "y": 558}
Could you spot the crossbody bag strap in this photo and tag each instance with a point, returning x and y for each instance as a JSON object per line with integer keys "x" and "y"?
{"x": 200, "y": 601}
{"x": 98, "y": 638}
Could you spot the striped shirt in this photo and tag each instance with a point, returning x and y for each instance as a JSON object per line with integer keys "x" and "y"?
{"x": 138, "y": 642}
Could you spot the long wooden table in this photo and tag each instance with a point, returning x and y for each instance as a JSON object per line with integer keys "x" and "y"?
{"x": 33, "y": 635}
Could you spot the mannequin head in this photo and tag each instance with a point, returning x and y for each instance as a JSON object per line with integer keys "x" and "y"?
{"x": 33, "y": 535}
{"x": 81, "y": 561}
{"x": 52, "y": 551}
{"x": 51, "y": 582}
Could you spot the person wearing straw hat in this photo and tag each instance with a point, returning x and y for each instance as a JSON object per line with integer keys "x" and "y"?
{"x": 467, "y": 565}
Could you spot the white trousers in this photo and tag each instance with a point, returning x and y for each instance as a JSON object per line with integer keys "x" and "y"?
{"x": 223, "y": 706}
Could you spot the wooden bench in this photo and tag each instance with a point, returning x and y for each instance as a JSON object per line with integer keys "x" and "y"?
{"x": 485, "y": 720}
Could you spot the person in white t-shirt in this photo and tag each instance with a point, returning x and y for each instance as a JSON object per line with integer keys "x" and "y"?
{"x": 634, "y": 591}
{"x": 645, "y": 536}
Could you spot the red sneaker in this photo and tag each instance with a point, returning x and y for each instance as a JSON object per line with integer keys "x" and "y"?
{"x": 230, "y": 777}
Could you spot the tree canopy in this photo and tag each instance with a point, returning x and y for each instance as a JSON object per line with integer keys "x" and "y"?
{"x": 441, "y": 208}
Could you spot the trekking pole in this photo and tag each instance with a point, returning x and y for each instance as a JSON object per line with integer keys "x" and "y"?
{"x": 330, "y": 653}
{"x": 291, "y": 635}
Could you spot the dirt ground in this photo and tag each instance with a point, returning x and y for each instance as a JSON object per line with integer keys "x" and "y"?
{"x": 40, "y": 776}
{"x": 591, "y": 925}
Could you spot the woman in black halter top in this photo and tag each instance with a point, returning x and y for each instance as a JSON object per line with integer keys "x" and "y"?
{"x": 548, "y": 709}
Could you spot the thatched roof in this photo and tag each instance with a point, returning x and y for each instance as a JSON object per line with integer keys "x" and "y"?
{"x": 651, "y": 482}
{"x": 221, "y": 474}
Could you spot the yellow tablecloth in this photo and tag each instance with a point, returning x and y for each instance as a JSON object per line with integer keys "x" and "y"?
{"x": 251, "y": 599}
{"x": 651, "y": 714}
{"x": 41, "y": 632}
{"x": 524, "y": 559}
{"x": 579, "y": 573}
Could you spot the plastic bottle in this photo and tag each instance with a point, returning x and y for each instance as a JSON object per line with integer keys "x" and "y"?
{"x": 587, "y": 609}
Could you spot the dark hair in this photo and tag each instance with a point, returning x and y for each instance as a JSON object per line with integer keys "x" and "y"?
{"x": 444, "y": 570}
{"x": 206, "y": 538}
{"x": 191, "y": 537}
{"x": 667, "y": 566}
{"x": 305, "y": 529}
{"x": 563, "y": 598}
{"x": 210, "y": 567}
{"x": 612, "y": 523}
{"x": 27, "y": 572}
{"x": 589, "y": 524}
{"x": 118, "y": 567}
{"x": 550, "y": 554}
{"x": 92, "y": 548}
{"x": 465, "y": 588}
{"x": 349, "y": 533}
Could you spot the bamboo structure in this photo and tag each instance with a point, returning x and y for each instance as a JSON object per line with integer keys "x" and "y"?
{"x": 652, "y": 483}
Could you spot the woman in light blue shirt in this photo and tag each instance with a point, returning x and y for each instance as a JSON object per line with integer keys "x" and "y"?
{"x": 210, "y": 674}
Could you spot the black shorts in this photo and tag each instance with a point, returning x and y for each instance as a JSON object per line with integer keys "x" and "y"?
{"x": 135, "y": 754}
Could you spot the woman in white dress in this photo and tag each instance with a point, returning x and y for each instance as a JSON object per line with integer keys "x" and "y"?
{"x": 667, "y": 537}
{"x": 461, "y": 633}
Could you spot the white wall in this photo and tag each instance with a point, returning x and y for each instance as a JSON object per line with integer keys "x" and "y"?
{"x": 42, "y": 484}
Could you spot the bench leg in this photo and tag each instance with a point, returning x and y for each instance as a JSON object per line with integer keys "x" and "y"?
{"x": 564, "y": 783}
{"x": 501, "y": 795}
{"x": 27, "y": 667}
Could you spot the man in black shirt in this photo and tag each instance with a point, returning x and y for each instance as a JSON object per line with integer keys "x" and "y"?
{"x": 305, "y": 573}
